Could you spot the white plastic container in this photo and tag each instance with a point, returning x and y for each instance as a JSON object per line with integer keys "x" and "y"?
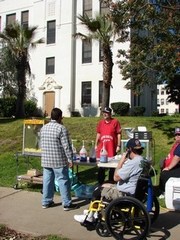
{"x": 172, "y": 194}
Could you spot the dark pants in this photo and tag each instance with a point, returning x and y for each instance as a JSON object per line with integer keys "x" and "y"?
{"x": 97, "y": 193}
{"x": 165, "y": 175}
{"x": 101, "y": 174}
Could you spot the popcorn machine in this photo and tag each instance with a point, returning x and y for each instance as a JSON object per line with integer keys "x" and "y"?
{"x": 31, "y": 135}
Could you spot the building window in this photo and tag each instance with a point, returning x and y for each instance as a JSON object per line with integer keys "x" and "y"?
{"x": 162, "y": 110}
{"x": 100, "y": 52}
{"x": 167, "y": 102}
{"x": 86, "y": 51}
{"x": 162, "y": 92}
{"x": 51, "y": 32}
{"x": 136, "y": 100}
{"x": 100, "y": 92}
{"x": 167, "y": 111}
{"x": 25, "y": 18}
{"x": 50, "y": 65}
{"x": 162, "y": 101}
{"x": 10, "y": 18}
{"x": 0, "y": 23}
{"x": 87, "y": 8}
{"x": 103, "y": 8}
{"x": 157, "y": 91}
{"x": 86, "y": 94}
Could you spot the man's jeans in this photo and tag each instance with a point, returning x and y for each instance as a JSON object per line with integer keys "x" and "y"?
{"x": 62, "y": 178}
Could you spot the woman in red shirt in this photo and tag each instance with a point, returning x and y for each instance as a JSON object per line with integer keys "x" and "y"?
{"x": 109, "y": 134}
{"x": 171, "y": 166}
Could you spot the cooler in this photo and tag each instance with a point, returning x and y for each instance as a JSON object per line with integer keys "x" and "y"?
{"x": 172, "y": 194}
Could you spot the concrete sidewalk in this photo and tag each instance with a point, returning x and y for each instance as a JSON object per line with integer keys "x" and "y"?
{"x": 21, "y": 210}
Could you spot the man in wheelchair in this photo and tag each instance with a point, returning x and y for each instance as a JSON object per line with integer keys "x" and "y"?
{"x": 126, "y": 175}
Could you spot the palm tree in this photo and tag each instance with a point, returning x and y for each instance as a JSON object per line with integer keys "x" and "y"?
{"x": 101, "y": 28}
{"x": 19, "y": 40}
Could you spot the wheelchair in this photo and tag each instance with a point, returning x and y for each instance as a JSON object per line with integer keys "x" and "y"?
{"x": 127, "y": 217}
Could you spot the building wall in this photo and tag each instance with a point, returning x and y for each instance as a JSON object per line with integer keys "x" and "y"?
{"x": 69, "y": 74}
{"x": 69, "y": 70}
{"x": 165, "y": 107}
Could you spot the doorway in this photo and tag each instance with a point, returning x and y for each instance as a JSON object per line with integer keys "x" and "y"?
{"x": 49, "y": 102}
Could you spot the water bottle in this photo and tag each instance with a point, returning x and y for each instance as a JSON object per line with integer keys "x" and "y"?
{"x": 92, "y": 153}
{"x": 83, "y": 154}
{"x": 74, "y": 151}
{"x": 103, "y": 154}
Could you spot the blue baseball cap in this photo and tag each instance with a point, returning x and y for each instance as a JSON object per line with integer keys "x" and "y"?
{"x": 134, "y": 143}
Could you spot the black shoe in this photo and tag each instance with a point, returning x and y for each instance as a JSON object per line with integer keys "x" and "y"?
{"x": 157, "y": 191}
{"x": 48, "y": 205}
{"x": 70, "y": 207}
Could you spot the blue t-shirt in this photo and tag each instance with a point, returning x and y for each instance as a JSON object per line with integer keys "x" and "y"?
{"x": 177, "y": 151}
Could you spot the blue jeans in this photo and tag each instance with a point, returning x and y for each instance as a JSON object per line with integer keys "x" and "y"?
{"x": 62, "y": 178}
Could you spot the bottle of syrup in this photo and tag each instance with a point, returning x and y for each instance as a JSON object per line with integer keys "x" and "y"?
{"x": 83, "y": 154}
{"x": 103, "y": 154}
{"x": 92, "y": 153}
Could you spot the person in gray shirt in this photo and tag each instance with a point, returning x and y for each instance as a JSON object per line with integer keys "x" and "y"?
{"x": 56, "y": 157}
{"x": 126, "y": 175}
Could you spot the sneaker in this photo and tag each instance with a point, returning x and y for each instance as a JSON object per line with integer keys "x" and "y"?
{"x": 161, "y": 196}
{"x": 48, "y": 205}
{"x": 70, "y": 207}
{"x": 86, "y": 211}
{"x": 83, "y": 218}
{"x": 96, "y": 215}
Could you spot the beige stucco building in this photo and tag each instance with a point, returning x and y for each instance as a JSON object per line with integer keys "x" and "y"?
{"x": 67, "y": 73}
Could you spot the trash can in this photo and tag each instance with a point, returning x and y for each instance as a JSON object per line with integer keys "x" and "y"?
{"x": 172, "y": 194}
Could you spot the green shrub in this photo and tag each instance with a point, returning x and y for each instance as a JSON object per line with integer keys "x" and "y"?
{"x": 7, "y": 107}
{"x": 31, "y": 109}
{"x": 120, "y": 108}
{"x": 139, "y": 111}
{"x": 155, "y": 113}
{"x": 75, "y": 114}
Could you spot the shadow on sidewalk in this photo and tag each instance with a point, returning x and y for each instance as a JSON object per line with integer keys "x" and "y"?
{"x": 165, "y": 222}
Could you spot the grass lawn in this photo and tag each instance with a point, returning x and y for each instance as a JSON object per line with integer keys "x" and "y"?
{"x": 80, "y": 128}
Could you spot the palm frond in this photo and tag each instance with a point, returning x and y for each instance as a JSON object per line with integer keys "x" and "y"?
{"x": 92, "y": 24}
{"x": 80, "y": 35}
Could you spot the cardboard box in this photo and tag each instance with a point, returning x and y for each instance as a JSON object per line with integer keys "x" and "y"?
{"x": 34, "y": 173}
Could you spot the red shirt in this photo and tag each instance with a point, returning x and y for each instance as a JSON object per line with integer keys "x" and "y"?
{"x": 108, "y": 134}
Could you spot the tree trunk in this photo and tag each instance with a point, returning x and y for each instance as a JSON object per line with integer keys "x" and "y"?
{"x": 21, "y": 80}
{"x": 105, "y": 96}
{"x": 107, "y": 75}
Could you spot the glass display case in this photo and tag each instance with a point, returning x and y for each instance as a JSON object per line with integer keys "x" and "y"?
{"x": 31, "y": 135}
{"x": 146, "y": 141}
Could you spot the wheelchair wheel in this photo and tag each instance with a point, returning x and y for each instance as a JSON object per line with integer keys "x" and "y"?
{"x": 154, "y": 213}
{"x": 127, "y": 218}
{"x": 102, "y": 230}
